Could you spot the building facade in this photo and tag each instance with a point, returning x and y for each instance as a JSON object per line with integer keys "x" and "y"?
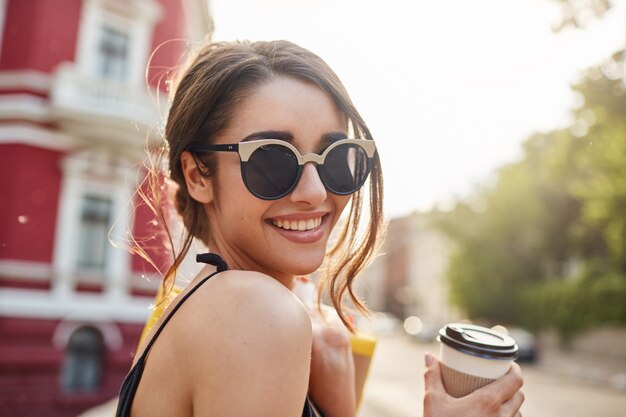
{"x": 409, "y": 277}
{"x": 77, "y": 113}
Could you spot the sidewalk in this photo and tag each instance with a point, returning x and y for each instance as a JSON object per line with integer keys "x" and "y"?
{"x": 558, "y": 384}
{"x": 600, "y": 370}
{"x": 103, "y": 410}
{"x": 395, "y": 384}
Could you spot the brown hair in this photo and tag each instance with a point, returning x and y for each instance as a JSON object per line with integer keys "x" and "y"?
{"x": 207, "y": 90}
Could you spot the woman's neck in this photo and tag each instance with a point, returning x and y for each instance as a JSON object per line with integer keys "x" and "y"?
{"x": 242, "y": 262}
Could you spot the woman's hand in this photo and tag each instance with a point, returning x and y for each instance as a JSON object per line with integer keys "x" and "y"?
{"x": 331, "y": 383}
{"x": 501, "y": 398}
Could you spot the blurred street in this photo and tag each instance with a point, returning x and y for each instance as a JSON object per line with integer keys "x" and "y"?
{"x": 395, "y": 387}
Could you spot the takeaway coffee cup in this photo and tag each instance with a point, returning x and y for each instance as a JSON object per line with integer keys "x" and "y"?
{"x": 473, "y": 356}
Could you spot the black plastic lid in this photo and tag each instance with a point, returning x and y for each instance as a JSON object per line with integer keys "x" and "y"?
{"x": 478, "y": 341}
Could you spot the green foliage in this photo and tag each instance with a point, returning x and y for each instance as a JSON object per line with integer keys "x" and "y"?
{"x": 578, "y": 13}
{"x": 545, "y": 244}
{"x": 572, "y": 306}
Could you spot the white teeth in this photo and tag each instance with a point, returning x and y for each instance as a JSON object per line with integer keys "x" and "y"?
{"x": 300, "y": 225}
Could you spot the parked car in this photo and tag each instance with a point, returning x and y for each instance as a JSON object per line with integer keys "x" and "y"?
{"x": 526, "y": 343}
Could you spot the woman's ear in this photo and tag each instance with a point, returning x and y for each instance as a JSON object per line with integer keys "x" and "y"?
{"x": 200, "y": 188}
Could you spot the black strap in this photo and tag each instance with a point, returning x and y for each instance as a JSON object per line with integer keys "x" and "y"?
{"x": 213, "y": 259}
{"x": 210, "y": 258}
{"x": 308, "y": 408}
{"x": 131, "y": 382}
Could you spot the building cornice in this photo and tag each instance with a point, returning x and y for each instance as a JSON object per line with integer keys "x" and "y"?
{"x": 24, "y": 107}
{"x": 29, "y": 270}
{"x": 21, "y": 133}
{"x": 29, "y": 80}
{"x": 105, "y": 112}
{"x": 90, "y": 307}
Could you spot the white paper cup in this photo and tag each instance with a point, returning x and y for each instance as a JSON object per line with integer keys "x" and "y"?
{"x": 473, "y": 356}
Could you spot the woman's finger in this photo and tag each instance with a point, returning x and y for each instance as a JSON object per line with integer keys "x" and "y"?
{"x": 512, "y": 406}
{"x": 502, "y": 389}
{"x": 432, "y": 374}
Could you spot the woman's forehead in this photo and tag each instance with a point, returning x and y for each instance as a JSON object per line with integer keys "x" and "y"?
{"x": 287, "y": 105}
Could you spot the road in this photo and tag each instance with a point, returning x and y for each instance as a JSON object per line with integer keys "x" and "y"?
{"x": 395, "y": 387}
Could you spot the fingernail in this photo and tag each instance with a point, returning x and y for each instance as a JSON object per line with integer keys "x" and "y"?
{"x": 428, "y": 359}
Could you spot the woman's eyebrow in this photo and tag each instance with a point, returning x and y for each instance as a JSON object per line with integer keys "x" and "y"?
{"x": 270, "y": 134}
{"x": 333, "y": 137}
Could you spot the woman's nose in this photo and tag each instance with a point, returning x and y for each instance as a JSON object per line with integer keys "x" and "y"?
{"x": 310, "y": 188}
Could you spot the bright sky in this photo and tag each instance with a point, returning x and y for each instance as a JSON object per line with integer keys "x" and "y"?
{"x": 449, "y": 88}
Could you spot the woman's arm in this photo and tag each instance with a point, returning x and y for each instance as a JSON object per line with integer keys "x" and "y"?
{"x": 332, "y": 383}
{"x": 252, "y": 349}
{"x": 501, "y": 398}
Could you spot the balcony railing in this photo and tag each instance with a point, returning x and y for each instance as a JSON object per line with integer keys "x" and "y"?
{"x": 80, "y": 99}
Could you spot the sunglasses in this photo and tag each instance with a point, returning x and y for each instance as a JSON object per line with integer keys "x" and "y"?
{"x": 271, "y": 168}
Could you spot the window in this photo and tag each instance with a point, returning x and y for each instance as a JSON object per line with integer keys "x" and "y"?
{"x": 93, "y": 242}
{"x": 113, "y": 54}
{"x": 114, "y": 42}
{"x": 83, "y": 363}
{"x": 93, "y": 205}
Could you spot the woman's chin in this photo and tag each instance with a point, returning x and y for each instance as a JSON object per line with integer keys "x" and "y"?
{"x": 305, "y": 270}
{"x": 304, "y": 265}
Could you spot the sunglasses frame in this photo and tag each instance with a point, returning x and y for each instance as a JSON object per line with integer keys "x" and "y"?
{"x": 246, "y": 149}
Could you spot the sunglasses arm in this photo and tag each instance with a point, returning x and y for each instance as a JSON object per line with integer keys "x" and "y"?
{"x": 231, "y": 147}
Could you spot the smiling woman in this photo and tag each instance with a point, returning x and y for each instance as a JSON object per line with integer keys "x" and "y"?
{"x": 266, "y": 151}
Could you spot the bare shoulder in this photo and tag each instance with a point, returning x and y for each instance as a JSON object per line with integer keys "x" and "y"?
{"x": 245, "y": 294}
{"x": 247, "y": 346}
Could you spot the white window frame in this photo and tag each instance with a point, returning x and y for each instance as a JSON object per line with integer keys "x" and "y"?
{"x": 92, "y": 173}
{"x": 91, "y": 271}
{"x": 137, "y": 18}
{"x": 116, "y": 30}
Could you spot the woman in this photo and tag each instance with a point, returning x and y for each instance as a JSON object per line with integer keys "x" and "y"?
{"x": 267, "y": 150}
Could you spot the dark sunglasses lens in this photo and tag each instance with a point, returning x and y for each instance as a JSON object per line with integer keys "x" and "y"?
{"x": 271, "y": 171}
{"x": 345, "y": 169}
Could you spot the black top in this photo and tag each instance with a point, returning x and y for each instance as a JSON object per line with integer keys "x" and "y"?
{"x": 131, "y": 382}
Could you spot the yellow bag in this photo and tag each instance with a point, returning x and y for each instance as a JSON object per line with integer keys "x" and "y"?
{"x": 159, "y": 307}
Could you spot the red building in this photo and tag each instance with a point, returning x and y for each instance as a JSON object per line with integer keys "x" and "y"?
{"x": 75, "y": 119}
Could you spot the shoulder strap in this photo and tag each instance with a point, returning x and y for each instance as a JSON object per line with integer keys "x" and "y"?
{"x": 209, "y": 258}
{"x": 213, "y": 259}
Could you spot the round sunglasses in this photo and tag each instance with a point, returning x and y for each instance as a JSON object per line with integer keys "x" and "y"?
{"x": 271, "y": 168}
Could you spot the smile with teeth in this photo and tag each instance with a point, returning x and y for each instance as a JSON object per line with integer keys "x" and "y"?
{"x": 300, "y": 225}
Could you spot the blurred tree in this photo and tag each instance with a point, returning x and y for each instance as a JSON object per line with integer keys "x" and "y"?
{"x": 601, "y": 187}
{"x": 545, "y": 244}
{"x": 578, "y": 13}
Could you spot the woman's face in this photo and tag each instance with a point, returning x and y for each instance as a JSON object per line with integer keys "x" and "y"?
{"x": 251, "y": 233}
